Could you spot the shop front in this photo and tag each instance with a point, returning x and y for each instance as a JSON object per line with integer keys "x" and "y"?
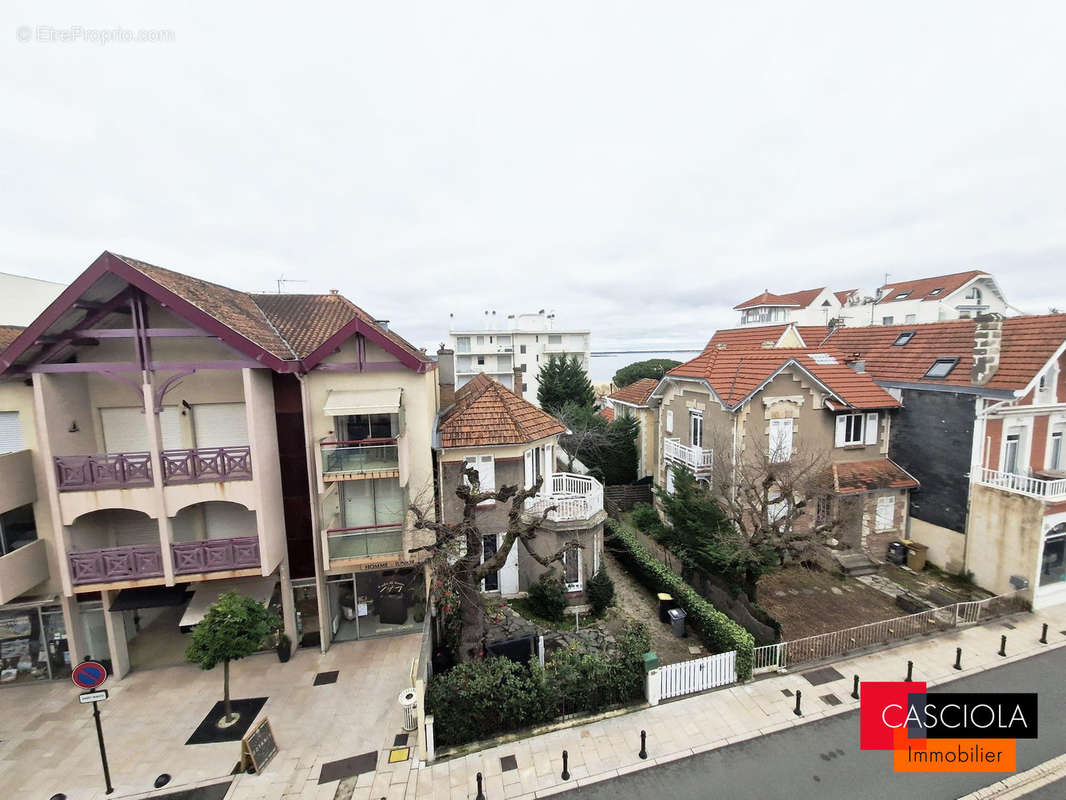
{"x": 376, "y": 599}
{"x": 33, "y": 642}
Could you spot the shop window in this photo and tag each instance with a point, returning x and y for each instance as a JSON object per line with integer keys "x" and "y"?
{"x": 1053, "y": 559}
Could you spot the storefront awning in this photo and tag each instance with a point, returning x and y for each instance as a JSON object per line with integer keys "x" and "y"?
{"x": 340, "y": 403}
{"x": 204, "y": 594}
{"x": 150, "y": 597}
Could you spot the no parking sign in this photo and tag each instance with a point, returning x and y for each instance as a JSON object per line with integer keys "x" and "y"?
{"x": 88, "y": 675}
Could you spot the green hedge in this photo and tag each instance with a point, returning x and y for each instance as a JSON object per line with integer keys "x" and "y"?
{"x": 491, "y": 696}
{"x": 718, "y": 632}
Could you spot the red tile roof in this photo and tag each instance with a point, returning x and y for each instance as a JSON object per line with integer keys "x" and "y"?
{"x": 488, "y": 414}
{"x": 636, "y": 393}
{"x": 800, "y": 299}
{"x": 852, "y": 477}
{"x": 607, "y": 413}
{"x": 842, "y": 297}
{"x": 757, "y": 335}
{"x": 735, "y": 373}
{"x": 1026, "y": 346}
{"x": 919, "y": 289}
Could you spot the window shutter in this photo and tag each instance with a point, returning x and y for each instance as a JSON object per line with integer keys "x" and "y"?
{"x": 487, "y": 473}
{"x": 871, "y": 428}
{"x": 842, "y": 421}
{"x": 529, "y": 468}
{"x": 669, "y": 421}
{"x": 548, "y": 468}
{"x": 785, "y": 439}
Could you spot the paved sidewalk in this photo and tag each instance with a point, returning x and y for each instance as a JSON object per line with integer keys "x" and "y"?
{"x": 608, "y": 748}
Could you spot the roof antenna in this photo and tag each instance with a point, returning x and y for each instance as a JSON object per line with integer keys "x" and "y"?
{"x": 282, "y": 279}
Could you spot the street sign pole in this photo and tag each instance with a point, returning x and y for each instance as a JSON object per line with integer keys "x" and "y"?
{"x": 103, "y": 752}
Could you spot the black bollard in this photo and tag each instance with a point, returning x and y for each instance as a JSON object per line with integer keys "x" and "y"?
{"x": 958, "y": 658}
{"x": 643, "y": 745}
{"x": 1003, "y": 645}
{"x": 910, "y": 671}
{"x": 566, "y": 772}
{"x": 855, "y": 689}
{"x": 797, "y": 712}
{"x": 1043, "y": 635}
{"x": 480, "y": 793}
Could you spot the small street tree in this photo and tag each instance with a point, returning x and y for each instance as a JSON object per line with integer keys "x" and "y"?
{"x": 563, "y": 380}
{"x": 234, "y": 626}
{"x": 652, "y": 368}
{"x": 455, "y": 556}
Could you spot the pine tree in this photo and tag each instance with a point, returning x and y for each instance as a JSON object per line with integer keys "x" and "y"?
{"x": 563, "y": 380}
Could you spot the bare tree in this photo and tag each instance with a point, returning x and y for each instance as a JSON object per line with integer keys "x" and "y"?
{"x": 456, "y": 552}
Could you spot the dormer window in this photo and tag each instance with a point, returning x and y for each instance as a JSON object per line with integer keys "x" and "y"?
{"x": 902, "y": 296}
{"x": 937, "y": 291}
{"x": 903, "y": 338}
{"x": 974, "y": 294}
{"x": 941, "y": 368}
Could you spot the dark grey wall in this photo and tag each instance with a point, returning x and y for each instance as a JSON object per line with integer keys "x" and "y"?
{"x": 932, "y": 437}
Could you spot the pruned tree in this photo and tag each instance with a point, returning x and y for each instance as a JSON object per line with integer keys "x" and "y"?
{"x": 455, "y": 555}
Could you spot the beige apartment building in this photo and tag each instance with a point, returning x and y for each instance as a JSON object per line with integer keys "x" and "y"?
{"x": 185, "y": 439}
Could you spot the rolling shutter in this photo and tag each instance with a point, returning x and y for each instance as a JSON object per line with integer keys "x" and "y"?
{"x": 220, "y": 424}
{"x": 125, "y": 430}
{"x": 10, "y": 432}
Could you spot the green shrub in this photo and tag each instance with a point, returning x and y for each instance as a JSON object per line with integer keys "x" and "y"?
{"x": 600, "y": 592}
{"x": 646, "y": 518}
{"x": 547, "y": 597}
{"x": 717, "y": 631}
{"x": 591, "y": 682}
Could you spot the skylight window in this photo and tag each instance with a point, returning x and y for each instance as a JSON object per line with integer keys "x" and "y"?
{"x": 935, "y": 292}
{"x": 941, "y": 368}
{"x": 823, "y": 358}
{"x": 902, "y": 296}
{"x": 903, "y": 338}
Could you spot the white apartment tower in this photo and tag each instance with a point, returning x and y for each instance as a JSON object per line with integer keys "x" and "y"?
{"x": 503, "y": 347}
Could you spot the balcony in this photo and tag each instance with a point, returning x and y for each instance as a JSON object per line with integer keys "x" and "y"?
{"x": 129, "y": 563}
{"x": 575, "y": 497}
{"x": 215, "y": 555}
{"x": 207, "y": 464}
{"x": 107, "y": 471}
{"x": 346, "y": 544}
{"x": 695, "y": 458}
{"x": 1041, "y": 488}
{"x": 22, "y": 568}
{"x": 341, "y": 460}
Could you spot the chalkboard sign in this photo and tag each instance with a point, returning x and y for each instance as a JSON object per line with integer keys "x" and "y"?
{"x": 258, "y": 745}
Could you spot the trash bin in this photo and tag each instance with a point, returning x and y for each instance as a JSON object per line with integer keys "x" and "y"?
{"x": 677, "y": 622}
{"x": 409, "y": 704}
{"x": 916, "y": 556}
{"x": 666, "y": 602}
{"x": 651, "y": 661}
{"x": 897, "y": 553}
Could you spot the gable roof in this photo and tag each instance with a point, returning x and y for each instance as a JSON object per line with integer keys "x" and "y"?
{"x": 735, "y": 374}
{"x": 920, "y": 288}
{"x": 800, "y": 299}
{"x": 486, "y": 413}
{"x": 288, "y": 333}
{"x": 755, "y": 336}
{"x": 853, "y": 477}
{"x": 842, "y": 297}
{"x": 1026, "y": 345}
{"x": 636, "y": 393}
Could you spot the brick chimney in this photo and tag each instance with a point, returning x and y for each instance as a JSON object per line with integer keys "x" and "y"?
{"x": 518, "y": 376}
{"x": 446, "y": 375}
{"x": 987, "y": 337}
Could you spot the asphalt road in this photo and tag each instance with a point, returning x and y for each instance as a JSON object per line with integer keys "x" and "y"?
{"x": 822, "y": 759}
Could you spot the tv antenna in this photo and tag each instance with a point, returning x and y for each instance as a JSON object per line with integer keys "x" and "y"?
{"x": 282, "y": 279}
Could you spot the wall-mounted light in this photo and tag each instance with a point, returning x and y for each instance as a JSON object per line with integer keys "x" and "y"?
{"x": 73, "y": 427}
{"x": 186, "y": 406}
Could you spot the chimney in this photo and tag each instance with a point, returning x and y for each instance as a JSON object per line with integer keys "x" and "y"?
{"x": 334, "y": 291}
{"x": 382, "y": 323}
{"x": 518, "y": 375}
{"x": 856, "y": 362}
{"x": 446, "y": 375}
{"x": 987, "y": 337}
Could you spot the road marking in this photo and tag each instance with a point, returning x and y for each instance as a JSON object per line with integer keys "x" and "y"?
{"x": 1022, "y": 783}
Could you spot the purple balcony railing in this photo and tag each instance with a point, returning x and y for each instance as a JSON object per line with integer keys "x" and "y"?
{"x": 115, "y": 564}
{"x": 108, "y": 471}
{"x": 207, "y": 464}
{"x": 214, "y": 555}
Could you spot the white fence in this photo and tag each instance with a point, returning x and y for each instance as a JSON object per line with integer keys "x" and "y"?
{"x": 837, "y": 643}
{"x": 696, "y": 675}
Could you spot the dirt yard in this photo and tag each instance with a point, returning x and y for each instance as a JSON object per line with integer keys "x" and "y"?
{"x": 808, "y": 602}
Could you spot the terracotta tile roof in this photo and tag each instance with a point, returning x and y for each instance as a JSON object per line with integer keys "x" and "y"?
{"x": 919, "y": 289}
{"x": 607, "y": 413}
{"x": 289, "y": 326}
{"x": 800, "y": 299}
{"x": 852, "y": 477}
{"x": 636, "y": 393}
{"x": 755, "y": 336}
{"x": 735, "y": 373}
{"x": 486, "y": 414}
{"x": 1027, "y": 345}
{"x": 8, "y": 334}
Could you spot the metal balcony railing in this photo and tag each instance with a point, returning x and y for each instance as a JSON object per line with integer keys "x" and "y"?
{"x": 1043, "y": 488}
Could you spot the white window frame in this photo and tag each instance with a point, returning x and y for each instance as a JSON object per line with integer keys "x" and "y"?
{"x": 573, "y": 587}
{"x": 860, "y": 437}
{"x": 1055, "y": 451}
{"x": 695, "y": 427}
{"x": 889, "y": 320}
{"x": 1047, "y": 386}
{"x": 885, "y": 515}
{"x": 1011, "y": 452}
{"x": 782, "y": 432}
{"x": 486, "y": 476}
{"x": 462, "y": 344}
{"x": 669, "y": 420}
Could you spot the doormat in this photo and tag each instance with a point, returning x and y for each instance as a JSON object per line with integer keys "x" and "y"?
{"x": 348, "y": 767}
{"x": 216, "y": 791}
{"x": 322, "y": 678}
{"x": 209, "y": 733}
{"x": 816, "y": 677}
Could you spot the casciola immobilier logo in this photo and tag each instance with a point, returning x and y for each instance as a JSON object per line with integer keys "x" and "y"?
{"x": 945, "y": 731}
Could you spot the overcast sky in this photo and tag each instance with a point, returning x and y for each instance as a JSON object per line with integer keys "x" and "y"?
{"x": 639, "y": 168}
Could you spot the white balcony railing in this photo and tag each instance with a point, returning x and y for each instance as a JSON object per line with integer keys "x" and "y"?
{"x": 1043, "y": 488}
{"x": 574, "y": 497}
{"x": 696, "y": 458}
